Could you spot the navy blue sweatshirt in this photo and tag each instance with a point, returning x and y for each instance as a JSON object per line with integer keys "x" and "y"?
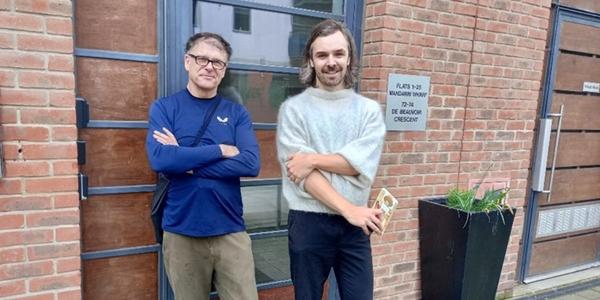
{"x": 209, "y": 202}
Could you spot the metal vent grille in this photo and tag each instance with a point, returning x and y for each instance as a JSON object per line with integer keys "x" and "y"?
{"x": 568, "y": 219}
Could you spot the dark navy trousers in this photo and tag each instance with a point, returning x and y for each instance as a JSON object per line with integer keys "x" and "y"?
{"x": 318, "y": 242}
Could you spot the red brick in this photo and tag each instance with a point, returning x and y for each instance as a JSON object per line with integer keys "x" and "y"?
{"x": 50, "y": 151}
{"x": 68, "y": 234}
{"x": 52, "y": 251}
{"x": 12, "y": 288}
{"x": 12, "y": 255}
{"x": 63, "y": 133}
{"x": 12, "y": 150}
{"x": 62, "y": 98}
{"x": 47, "y": 296}
{"x": 65, "y": 167}
{"x": 38, "y": 236}
{"x": 10, "y": 186}
{"x": 68, "y": 264}
{"x": 53, "y": 218}
{"x": 24, "y": 22}
{"x": 425, "y": 15}
{"x": 11, "y": 238}
{"x": 7, "y": 78}
{"x": 7, "y": 40}
{"x": 45, "y": 43}
{"x": 52, "y": 7}
{"x": 54, "y": 282}
{"x": 8, "y": 115}
{"x": 25, "y": 203}
{"x": 14, "y": 271}
{"x": 53, "y": 184}
{"x": 417, "y": 3}
{"x": 11, "y": 221}
{"x": 47, "y": 116}
{"x": 461, "y": 33}
{"x": 23, "y": 97}
{"x": 12, "y": 59}
{"x": 70, "y": 295}
{"x": 67, "y": 200}
{"x": 27, "y": 168}
{"x": 60, "y": 26}
{"x": 464, "y": 9}
{"x": 51, "y": 80}
{"x": 397, "y": 147}
{"x": 422, "y": 40}
{"x": 21, "y": 133}
{"x": 57, "y": 62}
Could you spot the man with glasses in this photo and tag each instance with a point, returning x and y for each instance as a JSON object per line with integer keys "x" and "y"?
{"x": 204, "y": 237}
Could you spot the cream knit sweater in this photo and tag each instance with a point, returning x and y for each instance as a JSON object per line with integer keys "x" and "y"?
{"x": 342, "y": 122}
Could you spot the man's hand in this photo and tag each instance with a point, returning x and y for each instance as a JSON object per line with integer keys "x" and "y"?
{"x": 165, "y": 138}
{"x": 299, "y": 165}
{"x": 229, "y": 151}
{"x": 366, "y": 218}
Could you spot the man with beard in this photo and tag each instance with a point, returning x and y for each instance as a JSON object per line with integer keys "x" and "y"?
{"x": 204, "y": 143}
{"x": 329, "y": 142}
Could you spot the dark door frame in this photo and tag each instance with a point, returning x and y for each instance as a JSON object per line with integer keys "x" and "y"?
{"x": 560, "y": 14}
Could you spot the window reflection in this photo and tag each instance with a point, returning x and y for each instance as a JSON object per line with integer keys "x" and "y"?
{"x": 264, "y": 208}
{"x": 260, "y": 92}
{"x": 273, "y": 39}
{"x": 271, "y": 259}
{"x": 330, "y": 6}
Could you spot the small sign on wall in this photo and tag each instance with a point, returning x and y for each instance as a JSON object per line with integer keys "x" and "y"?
{"x": 591, "y": 87}
{"x": 407, "y": 102}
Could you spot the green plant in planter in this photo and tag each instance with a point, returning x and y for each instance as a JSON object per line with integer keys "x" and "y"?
{"x": 492, "y": 200}
{"x": 466, "y": 200}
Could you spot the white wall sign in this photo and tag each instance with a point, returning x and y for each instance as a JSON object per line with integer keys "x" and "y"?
{"x": 592, "y": 87}
{"x": 407, "y": 102}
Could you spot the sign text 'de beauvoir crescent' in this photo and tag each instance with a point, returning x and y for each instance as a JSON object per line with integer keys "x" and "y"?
{"x": 407, "y": 102}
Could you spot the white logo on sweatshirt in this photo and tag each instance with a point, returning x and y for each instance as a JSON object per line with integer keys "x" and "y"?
{"x": 223, "y": 119}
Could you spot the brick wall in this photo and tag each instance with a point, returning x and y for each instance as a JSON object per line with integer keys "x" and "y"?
{"x": 485, "y": 59}
{"x": 39, "y": 206}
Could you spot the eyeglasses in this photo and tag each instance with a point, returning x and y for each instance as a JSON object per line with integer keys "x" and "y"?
{"x": 203, "y": 62}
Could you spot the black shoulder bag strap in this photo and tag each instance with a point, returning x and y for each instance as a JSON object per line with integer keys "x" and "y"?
{"x": 209, "y": 114}
{"x": 162, "y": 186}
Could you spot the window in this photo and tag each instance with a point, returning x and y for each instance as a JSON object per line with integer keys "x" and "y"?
{"x": 241, "y": 19}
{"x": 262, "y": 72}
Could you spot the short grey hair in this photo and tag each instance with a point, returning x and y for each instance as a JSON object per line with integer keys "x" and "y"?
{"x": 223, "y": 45}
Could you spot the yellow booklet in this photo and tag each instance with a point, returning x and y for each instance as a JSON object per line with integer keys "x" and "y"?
{"x": 387, "y": 203}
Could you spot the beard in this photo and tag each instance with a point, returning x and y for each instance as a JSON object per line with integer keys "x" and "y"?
{"x": 331, "y": 76}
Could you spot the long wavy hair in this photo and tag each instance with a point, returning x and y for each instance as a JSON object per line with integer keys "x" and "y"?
{"x": 326, "y": 28}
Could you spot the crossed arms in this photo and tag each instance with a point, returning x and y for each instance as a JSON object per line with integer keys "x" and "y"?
{"x": 208, "y": 161}
{"x": 304, "y": 167}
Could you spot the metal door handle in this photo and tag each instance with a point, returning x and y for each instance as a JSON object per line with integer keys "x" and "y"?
{"x": 539, "y": 172}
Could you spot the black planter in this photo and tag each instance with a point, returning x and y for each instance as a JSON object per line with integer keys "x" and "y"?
{"x": 461, "y": 254}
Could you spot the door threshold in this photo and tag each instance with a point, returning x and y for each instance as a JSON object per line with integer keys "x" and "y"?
{"x": 571, "y": 271}
{"x": 557, "y": 281}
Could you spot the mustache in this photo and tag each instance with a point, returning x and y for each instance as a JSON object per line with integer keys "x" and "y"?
{"x": 331, "y": 68}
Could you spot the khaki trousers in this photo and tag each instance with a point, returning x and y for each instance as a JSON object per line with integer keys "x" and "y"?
{"x": 192, "y": 264}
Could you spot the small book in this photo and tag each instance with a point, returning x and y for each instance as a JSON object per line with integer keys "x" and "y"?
{"x": 387, "y": 203}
